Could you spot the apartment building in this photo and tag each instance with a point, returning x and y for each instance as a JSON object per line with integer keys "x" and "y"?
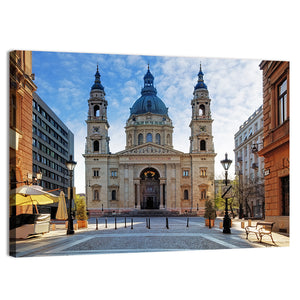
{"x": 249, "y": 166}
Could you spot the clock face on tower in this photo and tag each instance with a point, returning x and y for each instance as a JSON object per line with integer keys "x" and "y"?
{"x": 202, "y": 128}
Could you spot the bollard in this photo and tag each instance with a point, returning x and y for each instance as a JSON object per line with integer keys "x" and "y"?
{"x": 96, "y": 224}
{"x": 221, "y": 225}
{"x": 105, "y": 222}
{"x": 146, "y": 222}
{"x": 242, "y": 224}
{"x": 131, "y": 223}
{"x": 249, "y": 222}
{"x": 167, "y": 223}
{"x": 115, "y": 223}
{"x": 53, "y": 226}
{"x": 125, "y": 222}
{"x": 149, "y": 223}
{"x": 187, "y": 222}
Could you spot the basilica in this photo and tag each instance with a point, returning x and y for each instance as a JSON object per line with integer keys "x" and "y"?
{"x": 149, "y": 174}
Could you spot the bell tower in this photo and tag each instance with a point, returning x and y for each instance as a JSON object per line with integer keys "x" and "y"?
{"x": 97, "y": 140}
{"x": 201, "y": 139}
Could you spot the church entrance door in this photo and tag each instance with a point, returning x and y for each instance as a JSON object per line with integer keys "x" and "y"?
{"x": 150, "y": 198}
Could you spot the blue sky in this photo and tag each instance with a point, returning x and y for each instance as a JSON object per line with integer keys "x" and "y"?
{"x": 64, "y": 81}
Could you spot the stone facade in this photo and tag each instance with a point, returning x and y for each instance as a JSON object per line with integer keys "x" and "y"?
{"x": 149, "y": 174}
{"x": 276, "y": 142}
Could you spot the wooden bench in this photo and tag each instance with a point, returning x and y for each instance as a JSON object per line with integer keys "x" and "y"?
{"x": 260, "y": 229}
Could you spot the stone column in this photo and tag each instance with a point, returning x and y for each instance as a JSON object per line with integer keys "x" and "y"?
{"x": 161, "y": 205}
{"x": 138, "y": 196}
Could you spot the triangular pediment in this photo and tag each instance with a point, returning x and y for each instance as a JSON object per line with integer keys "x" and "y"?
{"x": 149, "y": 148}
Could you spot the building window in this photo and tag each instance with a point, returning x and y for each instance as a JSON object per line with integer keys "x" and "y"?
{"x": 113, "y": 195}
{"x": 250, "y": 131}
{"x": 185, "y": 173}
{"x": 140, "y": 139}
{"x": 186, "y": 195}
{"x": 202, "y": 172}
{"x": 285, "y": 194}
{"x": 96, "y": 172}
{"x": 149, "y": 137}
{"x": 114, "y": 173}
{"x": 157, "y": 139}
{"x": 202, "y": 145}
{"x": 203, "y": 194}
{"x": 96, "y": 195}
{"x": 282, "y": 102}
{"x": 96, "y": 146}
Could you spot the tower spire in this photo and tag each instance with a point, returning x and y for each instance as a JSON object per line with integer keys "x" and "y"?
{"x": 97, "y": 83}
{"x": 200, "y": 84}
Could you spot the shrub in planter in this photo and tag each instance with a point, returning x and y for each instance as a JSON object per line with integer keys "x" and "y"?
{"x": 210, "y": 213}
{"x": 81, "y": 213}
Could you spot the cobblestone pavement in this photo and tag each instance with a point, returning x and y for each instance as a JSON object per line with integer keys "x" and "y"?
{"x": 182, "y": 234}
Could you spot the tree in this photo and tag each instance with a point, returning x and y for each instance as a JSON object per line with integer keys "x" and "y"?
{"x": 248, "y": 191}
{"x": 210, "y": 211}
{"x": 81, "y": 213}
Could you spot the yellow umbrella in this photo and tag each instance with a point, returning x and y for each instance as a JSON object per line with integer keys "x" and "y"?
{"x": 62, "y": 213}
{"x": 33, "y": 194}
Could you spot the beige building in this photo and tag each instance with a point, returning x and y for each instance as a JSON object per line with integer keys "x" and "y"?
{"x": 149, "y": 174}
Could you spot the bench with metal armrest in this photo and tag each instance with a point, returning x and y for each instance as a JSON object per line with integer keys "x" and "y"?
{"x": 260, "y": 229}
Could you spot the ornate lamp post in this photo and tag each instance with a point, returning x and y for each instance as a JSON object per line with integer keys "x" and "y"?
{"x": 70, "y": 165}
{"x": 226, "y": 221}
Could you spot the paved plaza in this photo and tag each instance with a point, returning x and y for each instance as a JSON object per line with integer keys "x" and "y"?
{"x": 117, "y": 237}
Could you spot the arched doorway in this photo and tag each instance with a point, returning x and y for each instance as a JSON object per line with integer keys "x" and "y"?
{"x": 150, "y": 198}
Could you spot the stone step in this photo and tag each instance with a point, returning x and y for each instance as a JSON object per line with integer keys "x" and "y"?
{"x": 142, "y": 213}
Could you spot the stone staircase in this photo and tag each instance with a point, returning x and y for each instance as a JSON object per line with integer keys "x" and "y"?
{"x": 139, "y": 213}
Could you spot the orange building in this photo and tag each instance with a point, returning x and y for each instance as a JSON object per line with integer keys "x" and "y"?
{"x": 275, "y": 150}
{"x": 20, "y": 118}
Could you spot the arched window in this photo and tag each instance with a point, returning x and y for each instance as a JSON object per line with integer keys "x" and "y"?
{"x": 202, "y": 108}
{"x": 96, "y": 146}
{"x": 186, "y": 195}
{"x": 149, "y": 137}
{"x": 202, "y": 145}
{"x": 157, "y": 138}
{"x": 96, "y": 111}
{"x": 140, "y": 139}
{"x": 113, "y": 195}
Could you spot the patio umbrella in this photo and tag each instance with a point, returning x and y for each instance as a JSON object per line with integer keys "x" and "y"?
{"x": 31, "y": 194}
{"x": 62, "y": 213}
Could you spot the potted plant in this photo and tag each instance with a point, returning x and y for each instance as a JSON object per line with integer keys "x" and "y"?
{"x": 81, "y": 213}
{"x": 210, "y": 214}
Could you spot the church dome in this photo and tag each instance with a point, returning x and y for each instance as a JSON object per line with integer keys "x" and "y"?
{"x": 149, "y": 102}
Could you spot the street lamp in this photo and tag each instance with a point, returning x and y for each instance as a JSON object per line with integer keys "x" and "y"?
{"x": 226, "y": 221}
{"x": 70, "y": 165}
{"x": 254, "y": 147}
{"x": 39, "y": 177}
